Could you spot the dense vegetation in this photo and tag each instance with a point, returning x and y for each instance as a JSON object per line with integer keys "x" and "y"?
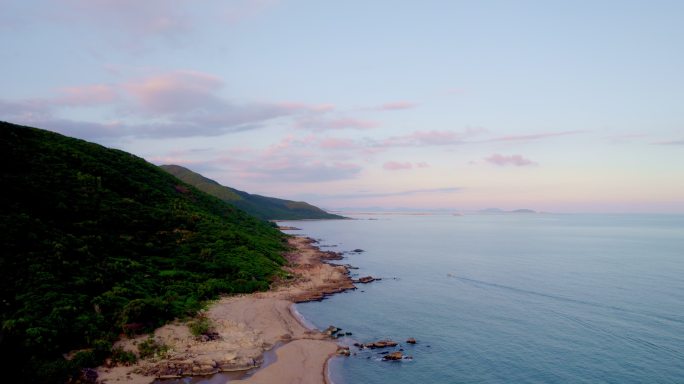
{"x": 97, "y": 242}
{"x": 268, "y": 208}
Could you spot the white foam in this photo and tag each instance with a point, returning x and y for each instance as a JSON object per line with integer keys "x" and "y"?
{"x": 302, "y": 320}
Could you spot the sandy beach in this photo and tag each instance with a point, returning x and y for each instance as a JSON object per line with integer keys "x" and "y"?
{"x": 248, "y": 325}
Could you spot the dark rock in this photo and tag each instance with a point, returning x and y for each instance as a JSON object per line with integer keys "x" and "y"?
{"x": 366, "y": 279}
{"x": 343, "y": 351}
{"x": 393, "y": 356}
{"x": 411, "y": 340}
{"x": 332, "y": 330}
{"x": 358, "y": 250}
{"x": 381, "y": 344}
{"x": 330, "y": 255}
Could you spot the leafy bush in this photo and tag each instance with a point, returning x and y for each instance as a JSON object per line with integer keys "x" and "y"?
{"x": 200, "y": 326}
{"x": 151, "y": 348}
{"x": 119, "y": 356}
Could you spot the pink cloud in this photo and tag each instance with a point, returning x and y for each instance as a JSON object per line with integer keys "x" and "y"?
{"x": 296, "y": 106}
{"x": 293, "y": 159}
{"x": 434, "y": 137}
{"x": 537, "y": 136}
{"x": 298, "y": 169}
{"x": 503, "y": 160}
{"x": 284, "y": 144}
{"x": 332, "y": 143}
{"x": 87, "y": 95}
{"x": 422, "y": 164}
{"x": 397, "y": 105}
{"x": 396, "y": 166}
{"x": 182, "y": 103}
{"x": 176, "y": 91}
{"x": 340, "y": 123}
{"x": 192, "y": 101}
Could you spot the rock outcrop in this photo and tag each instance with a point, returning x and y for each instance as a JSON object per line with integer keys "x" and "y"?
{"x": 343, "y": 351}
{"x": 366, "y": 279}
{"x": 393, "y": 356}
{"x": 380, "y": 344}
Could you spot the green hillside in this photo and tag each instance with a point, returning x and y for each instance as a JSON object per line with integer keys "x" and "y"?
{"x": 268, "y": 208}
{"x": 97, "y": 242}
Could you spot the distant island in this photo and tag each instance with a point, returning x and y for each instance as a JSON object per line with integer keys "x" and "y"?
{"x": 264, "y": 207}
{"x": 501, "y": 211}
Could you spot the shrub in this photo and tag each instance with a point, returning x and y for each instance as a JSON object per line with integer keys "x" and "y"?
{"x": 200, "y": 326}
{"x": 151, "y": 348}
{"x": 119, "y": 356}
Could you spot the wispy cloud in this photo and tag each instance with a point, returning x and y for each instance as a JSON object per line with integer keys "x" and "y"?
{"x": 626, "y": 137}
{"x": 298, "y": 106}
{"x": 298, "y": 171}
{"x": 430, "y": 138}
{"x": 536, "y": 136}
{"x": 396, "y": 166}
{"x": 179, "y": 103}
{"x": 369, "y": 194}
{"x": 290, "y": 159}
{"x": 176, "y": 92}
{"x": 24, "y": 111}
{"x": 323, "y": 124}
{"x": 670, "y": 142}
{"x": 396, "y": 106}
{"x": 514, "y": 160}
{"x": 88, "y": 95}
{"x": 336, "y": 143}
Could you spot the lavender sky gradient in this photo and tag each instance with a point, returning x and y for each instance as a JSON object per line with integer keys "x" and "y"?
{"x": 564, "y": 106}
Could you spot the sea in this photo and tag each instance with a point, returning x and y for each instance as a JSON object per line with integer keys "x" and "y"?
{"x": 508, "y": 298}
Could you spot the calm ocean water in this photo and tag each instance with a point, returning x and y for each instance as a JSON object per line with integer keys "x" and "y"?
{"x": 510, "y": 298}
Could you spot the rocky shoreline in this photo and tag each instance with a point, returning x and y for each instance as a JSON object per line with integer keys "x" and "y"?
{"x": 244, "y": 327}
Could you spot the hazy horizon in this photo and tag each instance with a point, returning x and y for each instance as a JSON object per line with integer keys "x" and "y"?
{"x": 551, "y": 106}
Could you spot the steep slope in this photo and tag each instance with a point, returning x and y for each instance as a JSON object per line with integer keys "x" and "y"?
{"x": 269, "y": 208}
{"x": 97, "y": 242}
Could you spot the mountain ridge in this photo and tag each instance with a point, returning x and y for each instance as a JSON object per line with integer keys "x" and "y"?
{"x": 264, "y": 207}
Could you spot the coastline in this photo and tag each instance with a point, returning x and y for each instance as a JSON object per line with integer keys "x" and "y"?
{"x": 249, "y": 325}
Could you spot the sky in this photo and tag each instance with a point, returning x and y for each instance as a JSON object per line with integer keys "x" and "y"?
{"x": 559, "y": 106}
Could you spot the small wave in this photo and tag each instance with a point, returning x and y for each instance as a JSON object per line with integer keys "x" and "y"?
{"x": 302, "y": 320}
{"x": 674, "y": 319}
{"x": 626, "y": 338}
